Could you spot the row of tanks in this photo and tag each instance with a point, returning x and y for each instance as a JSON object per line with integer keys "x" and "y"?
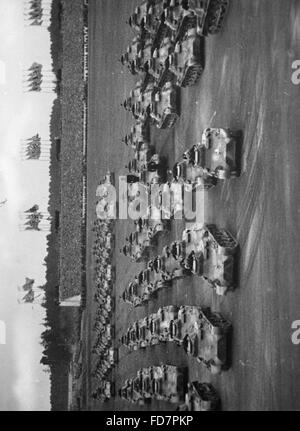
{"x": 206, "y": 163}
{"x": 167, "y": 53}
{"x": 202, "y": 333}
{"x": 170, "y": 384}
{"x": 205, "y": 251}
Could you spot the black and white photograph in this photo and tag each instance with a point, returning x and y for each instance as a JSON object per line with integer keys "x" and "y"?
{"x": 150, "y": 208}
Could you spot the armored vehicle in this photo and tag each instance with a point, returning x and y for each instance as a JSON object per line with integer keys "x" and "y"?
{"x": 218, "y": 147}
{"x": 157, "y": 377}
{"x": 173, "y": 384}
{"x": 138, "y": 245}
{"x": 136, "y": 20}
{"x": 145, "y": 160}
{"x": 166, "y": 315}
{"x": 213, "y": 348}
{"x": 138, "y": 136}
{"x": 173, "y": 16}
{"x": 171, "y": 262}
{"x": 131, "y": 391}
{"x": 150, "y": 228}
{"x": 145, "y": 54}
{"x": 206, "y": 15}
{"x": 212, "y": 160}
{"x": 144, "y": 332}
{"x": 136, "y": 252}
{"x": 154, "y": 24}
{"x": 187, "y": 325}
{"x": 209, "y": 252}
{"x": 203, "y": 334}
{"x": 188, "y": 173}
{"x": 158, "y": 65}
{"x": 201, "y": 397}
{"x": 131, "y": 294}
{"x": 186, "y": 63}
{"x": 130, "y": 57}
{"x": 153, "y": 172}
{"x": 164, "y": 109}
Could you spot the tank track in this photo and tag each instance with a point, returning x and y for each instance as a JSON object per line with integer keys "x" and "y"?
{"x": 222, "y": 237}
{"x": 192, "y": 75}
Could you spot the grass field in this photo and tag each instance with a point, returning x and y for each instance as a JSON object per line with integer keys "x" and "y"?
{"x": 246, "y": 85}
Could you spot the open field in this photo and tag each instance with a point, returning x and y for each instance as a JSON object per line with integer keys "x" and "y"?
{"x": 246, "y": 85}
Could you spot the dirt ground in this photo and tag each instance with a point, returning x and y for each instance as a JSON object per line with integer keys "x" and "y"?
{"x": 247, "y": 86}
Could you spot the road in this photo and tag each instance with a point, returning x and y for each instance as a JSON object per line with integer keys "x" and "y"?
{"x": 246, "y": 85}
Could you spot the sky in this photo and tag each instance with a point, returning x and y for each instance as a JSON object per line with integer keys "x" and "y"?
{"x": 24, "y": 385}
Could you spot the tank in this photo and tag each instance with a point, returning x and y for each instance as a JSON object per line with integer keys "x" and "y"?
{"x": 201, "y": 397}
{"x": 153, "y": 172}
{"x": 164, "y": 109}
{"x": 141, "y": 108}
{"x": 151, "y": 227}
{"x": 145, "y": 54}
{"x": 171, "y": 261}
{"x": 158, "y": 65}
{"x": 131, "y": 294}
{"x": 213, "y": 349}
{"x": 186, "y": 63}
{"x": 145, "y": 160}
{"x": 144, "y": 333}
{"x": 173, "y": 16}
{"x": 136, "y": 20}
{"x": 166, "y": 316}
{"x": 210, "y": 253}
{"x": 138, "y": 245}
{"x": 173, "y": 384}
{"x": 187, "y": 173}
{"x": 134, "y": 97}
{"x": 154, "y": 23}
{"x": 136, "y": 252}
{"x": 131, "y": 391}
{"x": 130, "y": 58}
{"x": 206, "y": 15}
{"x": 157, "y": 377}
{"x": 218, "y": 150}
{"x": 138, "y": 136}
